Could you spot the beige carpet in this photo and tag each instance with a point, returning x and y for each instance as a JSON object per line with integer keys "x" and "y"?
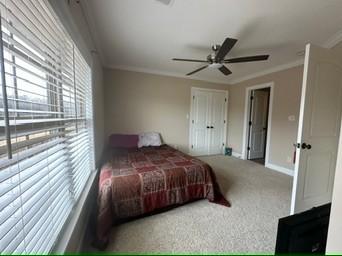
{"x": 259, "y": 196}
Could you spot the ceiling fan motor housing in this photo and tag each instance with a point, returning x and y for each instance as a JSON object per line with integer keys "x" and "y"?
{"x": 212, "y": 57}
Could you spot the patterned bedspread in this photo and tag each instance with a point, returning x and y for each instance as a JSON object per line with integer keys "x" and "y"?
{"x": 139, "y": 181}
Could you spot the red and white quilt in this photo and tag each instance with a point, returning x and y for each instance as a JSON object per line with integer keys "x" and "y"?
{"x": 139, "y": 181}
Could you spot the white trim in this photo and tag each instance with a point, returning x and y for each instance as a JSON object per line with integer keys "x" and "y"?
{"x": 334, "y": 40}
{"x": 207, "y": 89}
{"x": 269, "y": 71}
{"x": 193, "y": 89}
{"x": 330, "y": 43}
{"x": 281, "y": 169}
{"x": 269, "y": 122}
{"x": 163, "y": 73}
{"x": 236, "y": 154}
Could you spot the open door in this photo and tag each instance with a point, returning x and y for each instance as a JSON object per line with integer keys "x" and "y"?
{"x": 258, "y": 124}
{"x": 319, "y": 129}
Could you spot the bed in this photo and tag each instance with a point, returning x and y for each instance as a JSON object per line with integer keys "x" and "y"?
{"x": 134, "y": 182}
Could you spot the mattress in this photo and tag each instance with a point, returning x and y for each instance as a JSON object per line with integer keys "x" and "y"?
{"x": 135, "y": 181}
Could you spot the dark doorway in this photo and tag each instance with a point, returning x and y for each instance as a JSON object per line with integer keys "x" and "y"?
{"x": 258, "y": 123}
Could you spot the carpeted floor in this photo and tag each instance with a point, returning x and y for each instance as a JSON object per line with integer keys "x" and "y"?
{"x": 259, "y": 196}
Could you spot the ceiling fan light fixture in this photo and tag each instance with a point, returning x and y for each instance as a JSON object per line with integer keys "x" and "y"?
{"x": 215, "y": 65}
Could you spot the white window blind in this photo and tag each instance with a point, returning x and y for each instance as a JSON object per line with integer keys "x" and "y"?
{"x": 46, "y": 126}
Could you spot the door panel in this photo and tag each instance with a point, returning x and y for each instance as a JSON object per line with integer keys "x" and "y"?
{"x": 319, "y": 126}
{"x": 325, "y": 115}
{"x": 316, "y": 181}
{"x": 257, "y": 133}
{"x": 200, "y": 117}
{"x": 208, "y": 125}
{"x": 218, "y": 111}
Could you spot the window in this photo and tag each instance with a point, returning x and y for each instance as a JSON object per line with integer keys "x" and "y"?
{"x": 46, "y": 134}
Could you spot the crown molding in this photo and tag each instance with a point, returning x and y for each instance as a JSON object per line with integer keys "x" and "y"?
{"x": 269, "y": 71}
{"x": 162, "y": 73}
{"x": 330, "y": 43}
{"x": 334, "y": 40}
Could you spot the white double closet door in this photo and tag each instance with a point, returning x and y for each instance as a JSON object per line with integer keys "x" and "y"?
{"x": 208, "y": 122}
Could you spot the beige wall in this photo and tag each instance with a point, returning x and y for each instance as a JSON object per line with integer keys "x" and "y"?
{"x": 138, "y": 102}
{"x": 98, "y": 110}
{"x": 338, "y": 49}
{"x": 286, "y": 102}
{"x": 334, "y": 244}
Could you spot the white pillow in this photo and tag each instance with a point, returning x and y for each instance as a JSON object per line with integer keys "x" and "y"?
{"x": 149, "y": 139}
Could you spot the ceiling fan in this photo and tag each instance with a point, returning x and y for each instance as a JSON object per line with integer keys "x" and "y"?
{"x": 166, "y": 2}
{"x": 216, "y": 59}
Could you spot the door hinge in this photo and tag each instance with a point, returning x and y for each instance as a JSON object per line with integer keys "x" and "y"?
{"x": 248, "y": 148}
{"x": 193, "y": 97}
{"x": 252, "y": 97}
{"x": 222, "y": 144}
{"x": 225, "y": 99}
{"x": 192, "y": 146}
{"x": 224, "y": 121}
{"x": 192, "y": 121}
{"x": 250, "y": 123}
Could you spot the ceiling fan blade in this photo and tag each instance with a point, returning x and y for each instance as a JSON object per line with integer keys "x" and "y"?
{"x": 190, "y": 60}
{"x": 225, "y": 70}
{"x": 247, "y": 59}
{"x": 225, "y": 48}
{"x": 195, "y": 71}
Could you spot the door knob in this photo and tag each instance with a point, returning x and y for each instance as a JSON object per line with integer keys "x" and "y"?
{"x": 306, "y": 146}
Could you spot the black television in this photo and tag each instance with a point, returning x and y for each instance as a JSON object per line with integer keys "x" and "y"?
{"x": 305, "y": 232}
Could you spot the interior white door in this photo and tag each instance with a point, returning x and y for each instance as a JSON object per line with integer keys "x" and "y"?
{"x": 200, "y": 123}
{"x": 217, "y": 122}
{"x": 319, "y": 129}
{"x": 258, "y": 125}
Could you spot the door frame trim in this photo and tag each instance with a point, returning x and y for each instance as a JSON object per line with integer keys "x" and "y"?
{"x": 193, "y": 89}
{"x": 248, "y": 91}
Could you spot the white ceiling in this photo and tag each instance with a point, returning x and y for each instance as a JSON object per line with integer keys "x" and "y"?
{"x": 144, "y": 35}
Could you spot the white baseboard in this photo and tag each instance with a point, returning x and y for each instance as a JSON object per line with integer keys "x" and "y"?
{"x": 236, "y": 154}
{"x": 280, "y": 169}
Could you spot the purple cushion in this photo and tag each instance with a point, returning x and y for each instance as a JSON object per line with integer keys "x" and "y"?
{"x": 123, "y": 140}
